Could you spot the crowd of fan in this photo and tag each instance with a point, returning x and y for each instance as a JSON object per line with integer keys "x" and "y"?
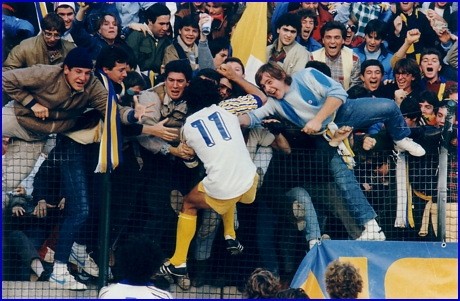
{"x": 340, "y": 78}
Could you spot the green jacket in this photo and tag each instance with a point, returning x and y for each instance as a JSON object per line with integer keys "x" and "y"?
{"x": 148, "y": 56}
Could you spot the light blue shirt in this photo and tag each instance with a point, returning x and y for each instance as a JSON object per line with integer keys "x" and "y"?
{"x": 129, "y": 11}
{"x": 306, "y": 96}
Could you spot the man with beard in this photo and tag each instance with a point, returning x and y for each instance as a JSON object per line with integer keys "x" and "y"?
{"x": 47, "y": 48}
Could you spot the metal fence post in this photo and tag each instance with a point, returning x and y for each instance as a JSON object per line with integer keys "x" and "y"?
{"x": 104, "y": 228}
{"x": 442, "y": 176}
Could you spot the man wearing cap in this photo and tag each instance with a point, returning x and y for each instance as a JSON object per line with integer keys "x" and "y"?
{"x": 66, "y": 10}
{"x": 46, "y": 48}
{"x": 46, "y": 100}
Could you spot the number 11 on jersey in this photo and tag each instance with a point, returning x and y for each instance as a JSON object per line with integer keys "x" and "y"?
{"x": 217, "y": 119}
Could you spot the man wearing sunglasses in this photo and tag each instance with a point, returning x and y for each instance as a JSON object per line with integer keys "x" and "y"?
{"x": 352, "y": 40}
{"x": 46, "y": 48}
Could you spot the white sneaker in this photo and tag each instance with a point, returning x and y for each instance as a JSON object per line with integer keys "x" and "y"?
{"x": 408, "y": 145}
{"x": 65, "y": 281}
{"x": 372, "y": 231}
{"x": 86, "y": 263}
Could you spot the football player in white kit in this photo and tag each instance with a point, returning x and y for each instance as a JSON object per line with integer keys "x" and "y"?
{"x": 216, "y": 137}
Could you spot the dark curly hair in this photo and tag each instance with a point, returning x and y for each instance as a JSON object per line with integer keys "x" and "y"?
{"x": 140, "y": 259}
{"x": 201, "y": 93}
{"x": 343, "y": 280}
{"x": 292, "y": 293}
{"x": 262, "y": 284}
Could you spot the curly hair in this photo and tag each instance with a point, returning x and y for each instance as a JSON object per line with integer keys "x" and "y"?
{"x": 140, "y": 259}
{"x": 343, "y": 280}
{"x": 292, "y": 293}
{"x": 262, "y": 284}
{"x": 201, "y": 93}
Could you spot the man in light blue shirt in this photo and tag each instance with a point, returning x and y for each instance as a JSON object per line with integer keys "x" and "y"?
{"x": 311, "y": 100}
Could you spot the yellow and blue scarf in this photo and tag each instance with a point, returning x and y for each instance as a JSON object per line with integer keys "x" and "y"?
{"x": 110, "y": 155}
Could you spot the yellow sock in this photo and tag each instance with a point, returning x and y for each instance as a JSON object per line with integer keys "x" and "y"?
{"x": 228, "y": 219}
{"x": 186, "y": 228}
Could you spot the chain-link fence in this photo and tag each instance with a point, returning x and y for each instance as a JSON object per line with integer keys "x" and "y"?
{"x": 66, "y": 213}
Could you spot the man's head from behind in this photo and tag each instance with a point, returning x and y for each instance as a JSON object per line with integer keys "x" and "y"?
{"x": 140, "y": 258}
{"x": 178, "y": 74}
{"x": 287, "y": 26}
{"x": 77, "y": 68}
{"x": 53, "y": 28}
{"x": 272, "y": 79}
{"x": 66, "y": 10}
{"x": 372, "y": 74}
{"x": 262, "y": 284}
{"x": 158, "y": 17}
{"x": 343, "y": 280}
{"x": 113, "y": 61}
{"x": 201, "y": 93}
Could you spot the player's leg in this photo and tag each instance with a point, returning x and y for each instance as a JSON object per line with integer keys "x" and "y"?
{"x": 186, "y": 228}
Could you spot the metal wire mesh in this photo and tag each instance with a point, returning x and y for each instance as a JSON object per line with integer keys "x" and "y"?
{"x": 273, "y": 230}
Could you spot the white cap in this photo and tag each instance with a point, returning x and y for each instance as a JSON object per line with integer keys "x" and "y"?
{"x": 71, "y": 4}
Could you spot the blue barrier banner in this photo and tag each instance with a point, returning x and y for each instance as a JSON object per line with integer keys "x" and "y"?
{"x": 390, "y": 270}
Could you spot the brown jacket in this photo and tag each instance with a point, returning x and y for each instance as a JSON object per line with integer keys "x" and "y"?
{"x": 33, "y": 51}
{"x": 48, "y": 86}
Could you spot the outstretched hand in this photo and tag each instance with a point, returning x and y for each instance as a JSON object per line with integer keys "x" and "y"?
{"x": 141, "y": 110}
{"x": 160, "y": 131}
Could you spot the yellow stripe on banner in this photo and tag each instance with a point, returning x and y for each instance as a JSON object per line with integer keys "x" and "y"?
{"x": 410, "y": 215}
{"x": 361, "y": 264}
{"x": 43, "y": 9}
{"x": 312, "y": 287}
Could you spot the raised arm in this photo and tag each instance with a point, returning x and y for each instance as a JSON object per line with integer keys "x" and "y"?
{"x": 249, "y": 88}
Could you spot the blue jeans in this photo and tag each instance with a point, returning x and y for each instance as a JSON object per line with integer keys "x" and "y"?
{"x": 71, "y": 156}
{"x": 353, "y": 197}
{"x": 364, "y": 112}
{"x": 206, "y": 233}
{"x": 299, "y": 194}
